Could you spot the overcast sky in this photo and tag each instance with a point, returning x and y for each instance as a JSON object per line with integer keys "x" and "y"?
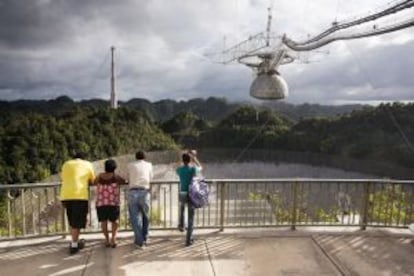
{"x": 50, "y": 48}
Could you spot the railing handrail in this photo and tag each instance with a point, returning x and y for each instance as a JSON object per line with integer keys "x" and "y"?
{"x": 235, "y": 180}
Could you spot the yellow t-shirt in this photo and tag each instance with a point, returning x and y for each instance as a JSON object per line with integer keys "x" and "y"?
{"x": 76, "y": 175}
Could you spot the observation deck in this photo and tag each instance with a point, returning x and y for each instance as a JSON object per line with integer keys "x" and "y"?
{"x": 251, "y": 227}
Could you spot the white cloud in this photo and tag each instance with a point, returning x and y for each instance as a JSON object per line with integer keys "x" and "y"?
{"x": 50, "y": 48}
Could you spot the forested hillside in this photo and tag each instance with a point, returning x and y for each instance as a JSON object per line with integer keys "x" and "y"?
{"x": 37, "y": 136}
{"x": 211, "y": 109}
{"x": 34, "y": 145}
{"x": 382, "y": 133}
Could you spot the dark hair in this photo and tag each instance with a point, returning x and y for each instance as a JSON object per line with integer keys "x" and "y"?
{"x": 110, "y": 165}
{"x": 186, "y": 158}
{"x": 80, "y": 155}
{"x": 140, "y": 155}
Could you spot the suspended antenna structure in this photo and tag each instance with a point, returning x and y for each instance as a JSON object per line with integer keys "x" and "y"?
{"x": 264, "y": 53}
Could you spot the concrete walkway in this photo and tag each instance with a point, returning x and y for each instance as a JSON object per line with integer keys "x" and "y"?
{"x": 247, "y": 252}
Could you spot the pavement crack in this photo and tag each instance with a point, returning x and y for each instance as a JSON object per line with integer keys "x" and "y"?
{"x": 88, "y": 257}
{"x": 334, "y": 263}
{"x": 210, "y": 259}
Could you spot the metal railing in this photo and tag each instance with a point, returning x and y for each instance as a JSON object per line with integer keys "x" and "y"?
{"x": 31, "y": 210}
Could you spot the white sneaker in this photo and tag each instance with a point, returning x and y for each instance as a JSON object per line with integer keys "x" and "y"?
{"x": 141, "y": 247}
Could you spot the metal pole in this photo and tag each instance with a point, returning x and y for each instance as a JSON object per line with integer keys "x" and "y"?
{"x": 294, "y": 205}
{"x": 114, "y": 104}
{"x": 365, "y": 203}
{"x": 222, "y": 205}
{"x": 9, "y": 218}
{"x": 22, "y": 194}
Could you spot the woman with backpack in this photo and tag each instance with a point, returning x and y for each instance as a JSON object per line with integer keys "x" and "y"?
{"x": 186, "y": 173}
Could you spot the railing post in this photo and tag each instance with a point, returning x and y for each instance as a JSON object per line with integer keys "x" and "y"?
{"x": 9, "y": 218}
{"x": 23, "y": 203}
{"x": 365, "y": 203}
{"x": 294, "y": 204}
{"x": 222, "y": 205}
{"x": 64, "y": 225}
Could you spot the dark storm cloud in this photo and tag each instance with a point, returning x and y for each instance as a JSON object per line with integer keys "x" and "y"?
{"x": 37, "y": 23}
{"x": 54, "y": 47}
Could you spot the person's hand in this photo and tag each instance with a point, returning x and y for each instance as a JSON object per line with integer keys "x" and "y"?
{"x": 192, "y": 152}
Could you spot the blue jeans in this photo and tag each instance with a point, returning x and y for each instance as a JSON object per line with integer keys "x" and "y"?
{"x": 183, "y": 197}
{"x": 138, "y": 207}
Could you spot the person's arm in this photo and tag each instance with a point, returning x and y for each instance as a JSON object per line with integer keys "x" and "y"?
{"x": 193, "y": 154}
{"x": 120, "y": 180}
{"x": 151, "y": 172}
{"x": 197, "y": 162}
{"x": 92, "y": 177}
{"x": 94, "y": 182}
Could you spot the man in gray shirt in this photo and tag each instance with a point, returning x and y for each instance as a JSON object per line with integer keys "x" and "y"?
{"x": 140, "y": 174}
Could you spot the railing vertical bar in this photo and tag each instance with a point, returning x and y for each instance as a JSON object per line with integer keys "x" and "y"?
{"x": 400, "y": 202}
{"x": 372, "y": 197}
{"x": 171, "y": 202}
{"x": 9, "y": 212}
{"x": 15, "y": 217}
{"x": 244, "y": 218}
{"x": 159, "y": 201}
{"x": 306, "y": 201}
{"x": 126, "y": 209}
{"x": 268, "y": 202}
{"x": 299, "y": 202}
{"x": 381, "y": 201}
{"x": 317, "y": 188}
{"x": 222, "y": 197}
{"x": 252, "y": 203}
{"x": 365, "y": 203}
{"x": 389, "y": 193}
{"x": 352, "y": 205}
{"x": 209, "y": 209}
{"x": 351, "y": 213}
{"x": 46, "y": 203}
{"x": 263, "y": 207}
{"x": 218, "y": 191}
{"x": 39, "y": 222}
{"x": 55, "y": 198}
{"x": 165, "y": 207}
{"x": 391, "y": 205}
{"x": 33, "y": 212}
{"x": 63, "y": 219}
{"x": 89, "y": 220}
{"x": 410, "y": 202}
{"x": 230, "y": 188}
{"x": 294, "y": 205}
{"x": 338, "y": 190}
{"x": 23, "y": 210}
{"x": 226, "y": 197}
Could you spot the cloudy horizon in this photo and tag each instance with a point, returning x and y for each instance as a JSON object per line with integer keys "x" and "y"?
{"x": 50, "y": 48}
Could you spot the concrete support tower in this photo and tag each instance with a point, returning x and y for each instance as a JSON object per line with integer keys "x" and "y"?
{"x": 114, "y": 102}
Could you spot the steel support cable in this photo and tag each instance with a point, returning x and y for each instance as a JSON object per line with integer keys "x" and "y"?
{"x": 387, "y": 110}
{"x": 373, "y": 17}
{"x": 394, "y": 9}
{"x": 258, "y": 133}
{"x": 318, "y": 44}
{"x": 398, "y": 7}
{"x": 400, "y": 130}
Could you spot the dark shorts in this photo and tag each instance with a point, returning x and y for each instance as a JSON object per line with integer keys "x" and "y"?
{"x": 110, "y": 213}
{"x": 76, "y": 212}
